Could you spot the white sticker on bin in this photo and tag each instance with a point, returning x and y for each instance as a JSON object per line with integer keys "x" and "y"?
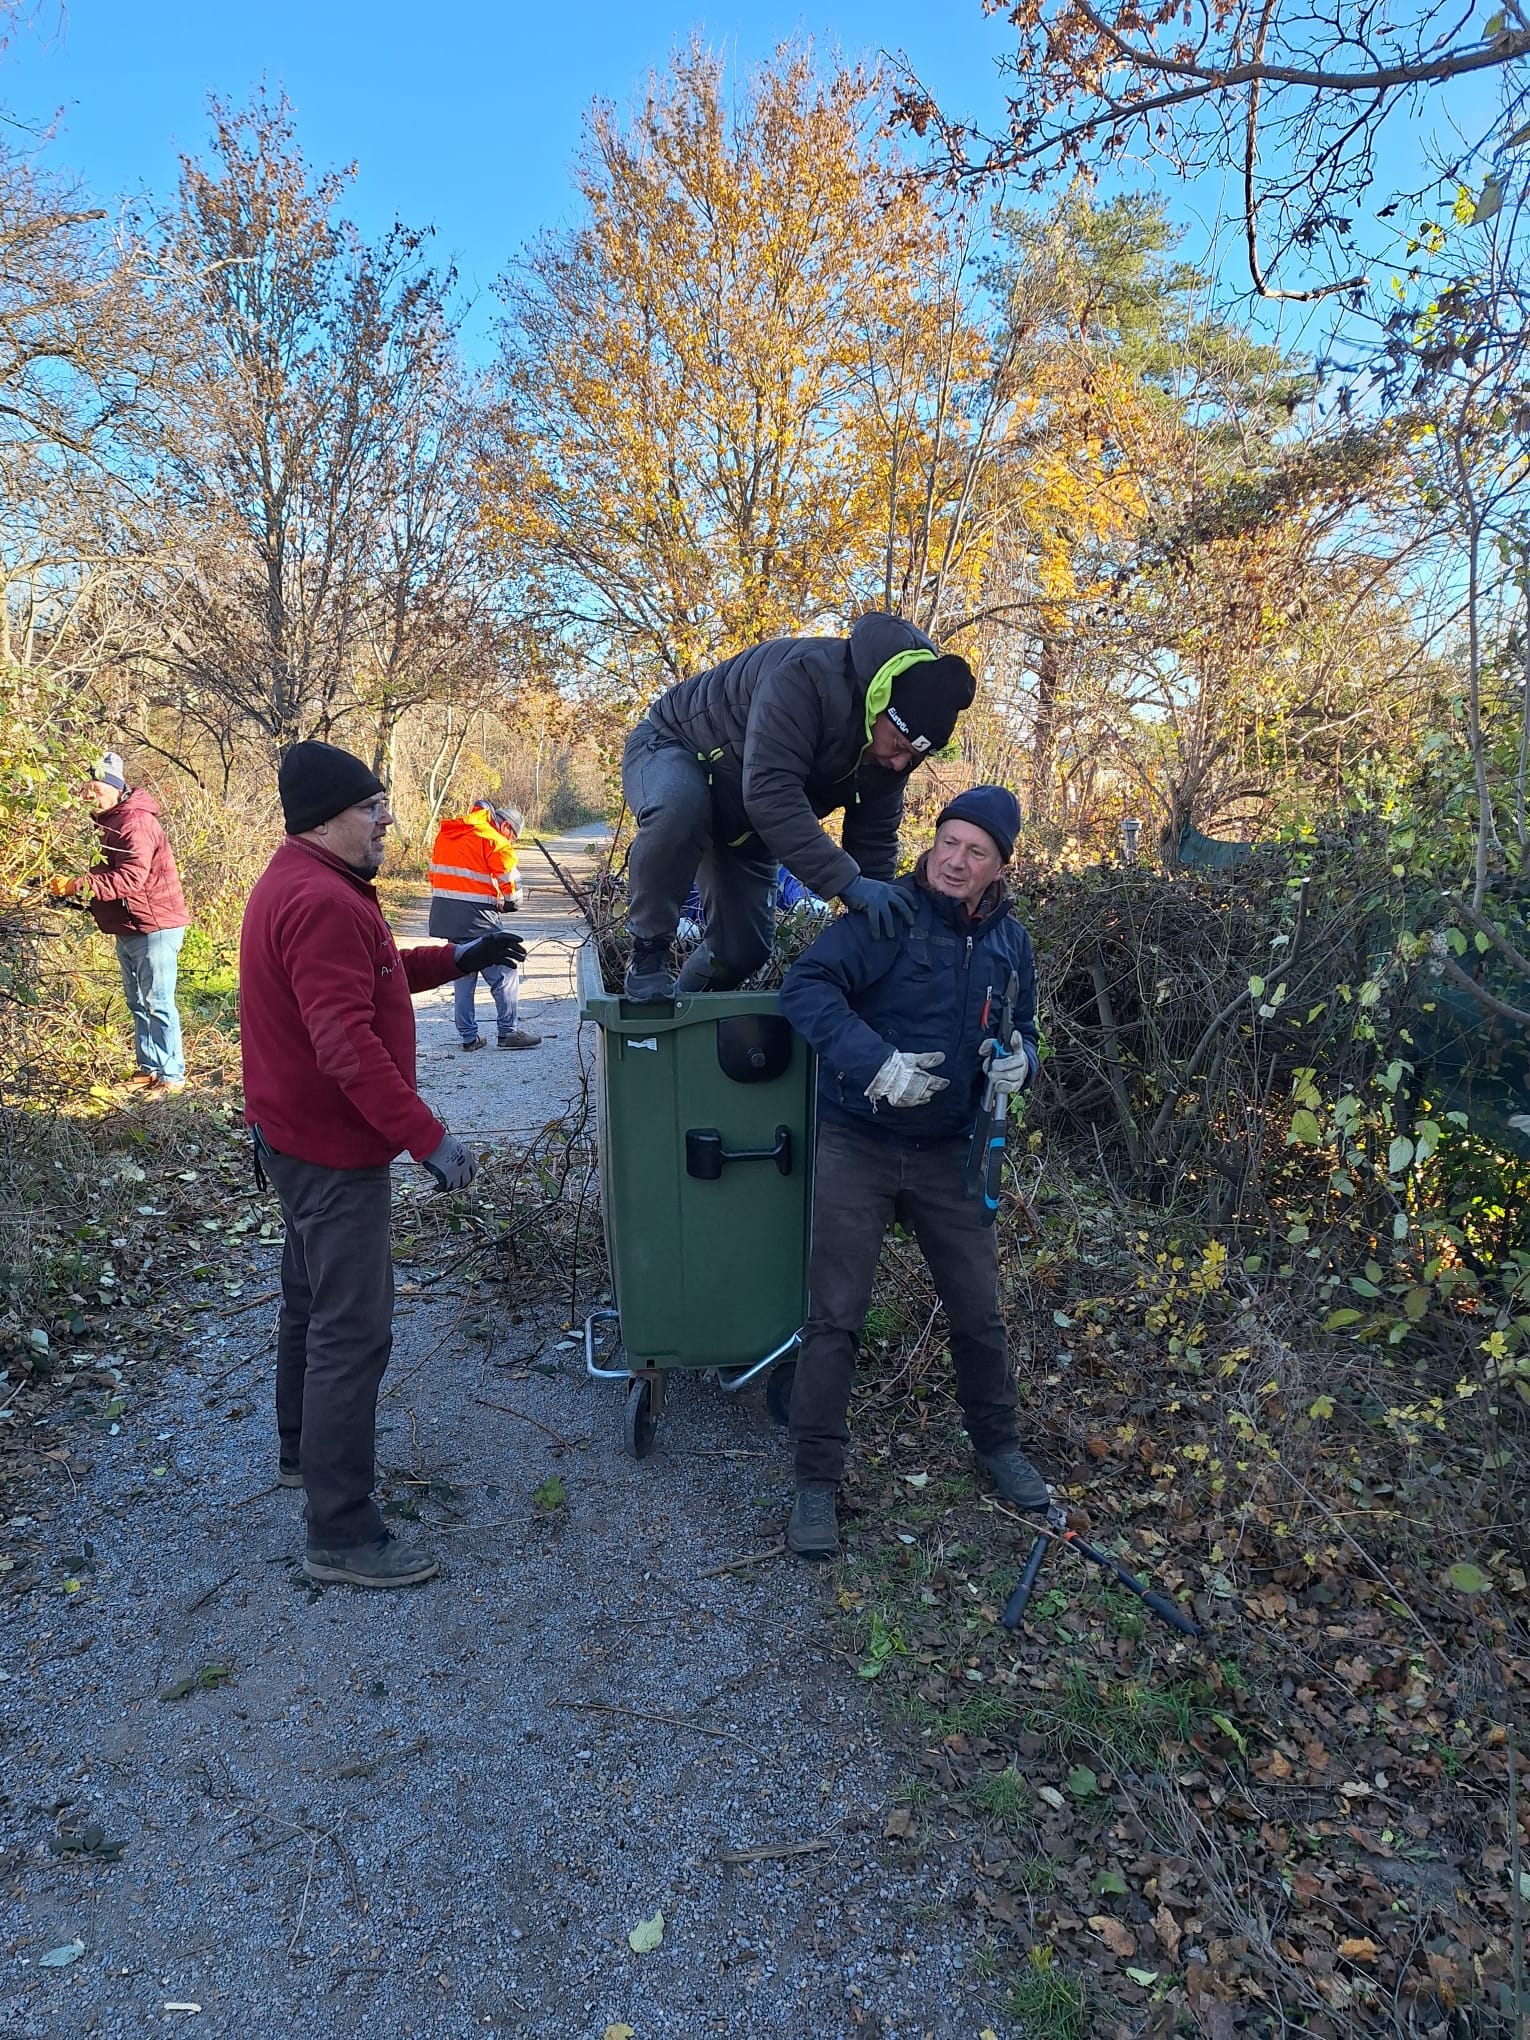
{"x": 644, "y": 1041}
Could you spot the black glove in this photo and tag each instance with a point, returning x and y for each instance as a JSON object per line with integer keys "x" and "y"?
{"x": 883, "y": 905}
{"x": 485, "y": 951}
{"x": 451, "y": 1164}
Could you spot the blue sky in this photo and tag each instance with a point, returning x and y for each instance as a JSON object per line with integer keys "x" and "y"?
{"x": 463, "y": 115}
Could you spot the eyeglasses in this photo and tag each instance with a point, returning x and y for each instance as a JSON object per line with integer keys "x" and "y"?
{"x": 376, "y": 809}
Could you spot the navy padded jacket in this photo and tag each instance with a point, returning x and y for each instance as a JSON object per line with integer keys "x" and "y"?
{"x": 855, "y": 997}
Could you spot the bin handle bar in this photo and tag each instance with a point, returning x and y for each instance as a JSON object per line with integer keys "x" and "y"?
{"x": 600, "y": 1373}
{"x": 705, "y": 1153}
{"x": 730, "y": 1384}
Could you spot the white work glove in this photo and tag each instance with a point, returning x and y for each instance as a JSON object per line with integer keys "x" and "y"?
{"x": 451, "y": 1164}
{"x": 1009, "y": 1074}
{"x": 904, "y": 1079}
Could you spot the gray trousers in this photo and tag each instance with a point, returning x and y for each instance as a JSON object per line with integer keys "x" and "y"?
{"x": 861, "y": 1183}
{"x": 333, "y": 1339}
{"x": 669, "y": 792}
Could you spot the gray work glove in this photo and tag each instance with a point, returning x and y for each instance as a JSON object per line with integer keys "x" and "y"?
{"x": 451, "y": 1164}
{"x": 905, "y": 1079}
{"x": 485, "y": 951}
{"x": 1008, "y": 1074}
{"x": 883, "y": 905}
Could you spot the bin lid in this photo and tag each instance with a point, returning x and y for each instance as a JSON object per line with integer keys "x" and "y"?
{"x": 621, "y": 1016}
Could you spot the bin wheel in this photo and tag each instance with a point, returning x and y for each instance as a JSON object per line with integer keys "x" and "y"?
{"x": 778, "y": 1390}
{"x": 641, "y": 1420}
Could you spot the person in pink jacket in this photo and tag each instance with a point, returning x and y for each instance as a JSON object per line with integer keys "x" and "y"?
{"x": 134, "y": 894}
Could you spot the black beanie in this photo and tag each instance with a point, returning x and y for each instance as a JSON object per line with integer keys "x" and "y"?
{"x": 318, "y": 782}
{"x": 927, "y": 699}
{"x": 991, "y": 808}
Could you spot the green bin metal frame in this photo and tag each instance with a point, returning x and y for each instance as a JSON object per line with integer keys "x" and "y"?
{"x": 705, "y": 1113}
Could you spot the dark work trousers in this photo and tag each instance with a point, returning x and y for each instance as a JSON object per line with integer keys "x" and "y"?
{"x": 862, "y": 1181}
{"x": 333, "y": 1339}
{"x": 669, "y": 792}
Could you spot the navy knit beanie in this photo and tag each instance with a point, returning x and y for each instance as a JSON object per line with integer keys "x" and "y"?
{"x": 928, "y": 697}
{"x": 319, "y": 781}
{"x": 993, "y": 809}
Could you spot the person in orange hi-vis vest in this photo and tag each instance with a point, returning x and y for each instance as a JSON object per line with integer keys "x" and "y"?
{"x": 473, "y": 880}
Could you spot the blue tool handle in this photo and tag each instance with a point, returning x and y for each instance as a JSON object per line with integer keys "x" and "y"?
{"x": 1014, "y": 1607}
{"x": 1171, "y": 1612}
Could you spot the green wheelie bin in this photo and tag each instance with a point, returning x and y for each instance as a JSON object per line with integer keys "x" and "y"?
{"x": 705, "y": 1125}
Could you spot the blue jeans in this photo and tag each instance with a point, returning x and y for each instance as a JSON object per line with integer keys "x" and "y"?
{"x": 149, "y": 964}
{"x": 505, "y": 988}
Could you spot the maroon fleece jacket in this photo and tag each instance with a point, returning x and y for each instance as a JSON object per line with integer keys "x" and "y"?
{"x": 135, "y": 889}
{"x": 326, "y": 1026}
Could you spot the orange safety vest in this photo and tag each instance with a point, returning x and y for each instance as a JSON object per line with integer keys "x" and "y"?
{"x": 469, "y": 858}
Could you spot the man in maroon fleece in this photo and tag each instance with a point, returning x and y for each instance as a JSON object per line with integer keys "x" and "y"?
{"x": 327, "y": 1038}
{"x": 134, "y": 895}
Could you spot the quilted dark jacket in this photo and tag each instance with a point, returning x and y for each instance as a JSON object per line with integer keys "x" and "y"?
{"x": 855, "y": 995}
{"x": 782, "y": 727}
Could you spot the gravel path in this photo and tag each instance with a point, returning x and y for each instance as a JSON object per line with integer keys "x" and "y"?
{"x": 440, "y": 1813}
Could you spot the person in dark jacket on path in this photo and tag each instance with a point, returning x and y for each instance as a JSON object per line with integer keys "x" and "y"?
{"x": 905, "y": 1035}
{"x": 134, "y": 894}
{"x": 327, "y": 1040}
{"x": 728, "y": 774}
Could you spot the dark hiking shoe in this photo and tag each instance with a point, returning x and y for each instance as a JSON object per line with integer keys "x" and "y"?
{"x": 813, "y": 1531}
{"x": 1016, "y": 1480}
{"x": 387, "y": 1563}
{"x": 650, "y": 981}
{"x": 289, "y": 1473}
{"x": 522, "y": 1037}
{"x": 476, "y": 1042}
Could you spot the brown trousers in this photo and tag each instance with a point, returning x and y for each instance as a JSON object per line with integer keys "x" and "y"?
{"x": 333, "y": 1339}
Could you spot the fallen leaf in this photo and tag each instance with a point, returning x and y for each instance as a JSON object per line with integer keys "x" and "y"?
{"x": 646, "y": 1935}
{"x": 1116, "y": 1935}
{"x": 1167, "y": 1929}
{"x": 1359, "y": 1948}
{"x": 1082, "y": 1782}
{"x": 917, "y": 1479}
{"x": 1052, "y": 1797}
{"x": 619, "y": 2033}
{"x": 60, "y": 1958}
{"x": 900, "y": 1824}
{"x": 1143, "y": 1976}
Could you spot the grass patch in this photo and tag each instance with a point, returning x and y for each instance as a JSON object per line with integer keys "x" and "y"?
{"x": 1048, "y": 2003}
{"x": 1003, "y": 1797}
{"x": 1128, "y": 1723}
{"x": 975, "y": 1713}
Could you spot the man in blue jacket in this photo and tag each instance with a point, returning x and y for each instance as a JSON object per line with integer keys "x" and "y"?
{"x": 885, "y": 1016}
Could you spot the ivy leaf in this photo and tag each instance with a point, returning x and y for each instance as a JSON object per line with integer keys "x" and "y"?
{"x": 1305, "y": 1131}
{"x": 1468, "y": 1579}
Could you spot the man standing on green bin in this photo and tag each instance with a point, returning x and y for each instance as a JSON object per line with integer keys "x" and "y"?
{"x": 894, "y": 1136}
{"x": 729, "y": 773}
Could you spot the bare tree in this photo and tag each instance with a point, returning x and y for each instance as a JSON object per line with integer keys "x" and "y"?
{"x": 1290, "y": 97}
{"x": 311, "y": 344}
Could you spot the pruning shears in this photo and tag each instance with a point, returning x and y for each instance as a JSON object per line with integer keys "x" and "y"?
{"x": 1055, "y": 1530}
{"x": 985, "y": 1157}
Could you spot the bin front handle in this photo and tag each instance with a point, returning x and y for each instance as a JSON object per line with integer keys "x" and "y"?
{"x": 705, "y": 1153}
